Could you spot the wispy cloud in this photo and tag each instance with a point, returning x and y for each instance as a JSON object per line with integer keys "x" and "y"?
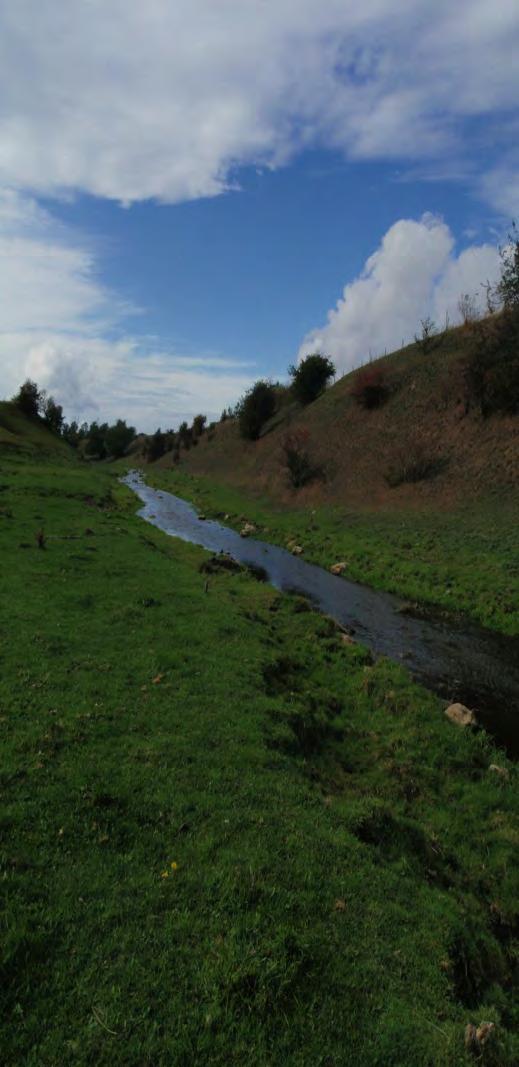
{"x": 61, "y": 326}
{"x": 130, "y": 100}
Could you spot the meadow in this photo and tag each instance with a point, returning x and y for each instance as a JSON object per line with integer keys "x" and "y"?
{"x": 228, "y": 836}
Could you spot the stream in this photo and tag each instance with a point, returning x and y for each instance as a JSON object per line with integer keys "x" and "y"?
{"x": 458, "y": 661}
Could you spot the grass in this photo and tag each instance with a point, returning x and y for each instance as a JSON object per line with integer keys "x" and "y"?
{"x": 463, "y": 561}
{"x": 227, "y": 837}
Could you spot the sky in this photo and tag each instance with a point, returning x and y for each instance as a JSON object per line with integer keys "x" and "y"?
{"x": 197, "y": 193}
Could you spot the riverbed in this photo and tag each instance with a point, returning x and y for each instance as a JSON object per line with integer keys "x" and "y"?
{"x": 457, "y": 660}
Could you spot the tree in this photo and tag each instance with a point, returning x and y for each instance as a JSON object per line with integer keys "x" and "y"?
{"x": 156, "y": 446}
{"x": 95, "y": 444}
{"x": 28, "y": 398}
{"x": 118, "y": 438}
{"x": 467, "y": 308}
{"x": 53, "y": 414}
{"x": 311, "y": 377}
{"x": 185, "y": 435}
{"x": 198, "y": 426}
{"x": 255, "y": 407}
{"x": 508, "y": 287}
{"x": 428, "y": 335}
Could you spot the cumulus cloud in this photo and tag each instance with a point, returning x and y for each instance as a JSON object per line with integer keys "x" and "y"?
{"x": 414, "y": 273}
{"x": 62, "y": 327}
{"x": 130, "y": 100}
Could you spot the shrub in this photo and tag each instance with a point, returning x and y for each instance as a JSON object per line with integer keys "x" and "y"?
{"x": 311, "y": 377}
{"x": 297, "y": 461}
{"x": 28, "y": 398}
{"x": 370, "y": 388}
{"x": 508, "y": 286}
{"x": 428, "y": 335}
{"x": 492, "y": 369}
{"x": 255, "y": 407}
{"x": 412, "y": 462}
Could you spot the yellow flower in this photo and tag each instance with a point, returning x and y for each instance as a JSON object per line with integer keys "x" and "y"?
{"x": 165, "y": 874}
{"x": 174, "y": 866}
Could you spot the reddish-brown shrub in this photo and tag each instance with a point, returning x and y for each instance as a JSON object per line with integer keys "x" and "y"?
{"x": 370, "y": 388}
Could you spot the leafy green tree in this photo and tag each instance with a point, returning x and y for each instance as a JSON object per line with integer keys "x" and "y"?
{"x": 118, "y": 438}
{"x": 198, "y": 427}
{"x": 310, "y": 377}
{"x": 96, "y": 440}
{"x": 185, "y": 435}
{"x": 53, "y": 414}
{"x": 28, "y": 398}
{"x": 156, "y": 446}
{"x": 255, "y": 407}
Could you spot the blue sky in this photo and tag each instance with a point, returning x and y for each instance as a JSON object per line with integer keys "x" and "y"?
{"x": 194, "y": 195}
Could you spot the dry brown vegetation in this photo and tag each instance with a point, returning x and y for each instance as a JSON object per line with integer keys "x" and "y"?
{"x": 427, "y": 399}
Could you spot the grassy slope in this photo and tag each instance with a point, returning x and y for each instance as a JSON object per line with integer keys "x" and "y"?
{"x": 452, "y": 540}
{"x": 21, "y": 434}
{"x": 345, "y": 884}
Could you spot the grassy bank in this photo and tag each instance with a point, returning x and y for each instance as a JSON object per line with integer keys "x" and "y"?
{"x": 227, "y": 837}
{"x": 462, "y": 561}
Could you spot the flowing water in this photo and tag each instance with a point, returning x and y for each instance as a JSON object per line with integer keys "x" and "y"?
{"x": 459, "y": 662}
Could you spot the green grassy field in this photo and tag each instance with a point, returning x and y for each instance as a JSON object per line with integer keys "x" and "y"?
{"x": 227, "y": 837}
{"x": 464, "y": 561}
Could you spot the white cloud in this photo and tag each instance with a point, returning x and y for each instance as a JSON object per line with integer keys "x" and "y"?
{"x": 165, "y": 99}
{"x": 414, "y": 273}
{"x": 60, "y": 326}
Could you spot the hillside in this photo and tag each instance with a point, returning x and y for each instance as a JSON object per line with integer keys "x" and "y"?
{"x": 475, "y": 457}
{"x": 450, "y": 540}
{"x": 18, "y": 432}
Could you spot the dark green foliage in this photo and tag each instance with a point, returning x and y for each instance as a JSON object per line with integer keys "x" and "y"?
{"x": 310, "y": 377}
{"x": 198, "y": 427}
{"x": 118, "y": 438}
{"x": 28, "y": 398}
{"x": 255, "y": 408}
{"x": 53, "y": 414}
{"x": 155, "y": 446}
{"x": 185, "y": 435}
{"x": 492, "y": 370}
{"x": 71, "y": 433}
{"x": 95, "y": 445}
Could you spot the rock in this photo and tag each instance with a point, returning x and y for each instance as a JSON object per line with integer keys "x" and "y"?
{"x": 297, "y": 550}
{"x": 347, "y": 640}
{"x": 501, "y": 771}
{"x": 461, "y": 715}
{"x": 201, "y": 518}
{"x": 248, "y": 529}
{"x": 338, "y": 568}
